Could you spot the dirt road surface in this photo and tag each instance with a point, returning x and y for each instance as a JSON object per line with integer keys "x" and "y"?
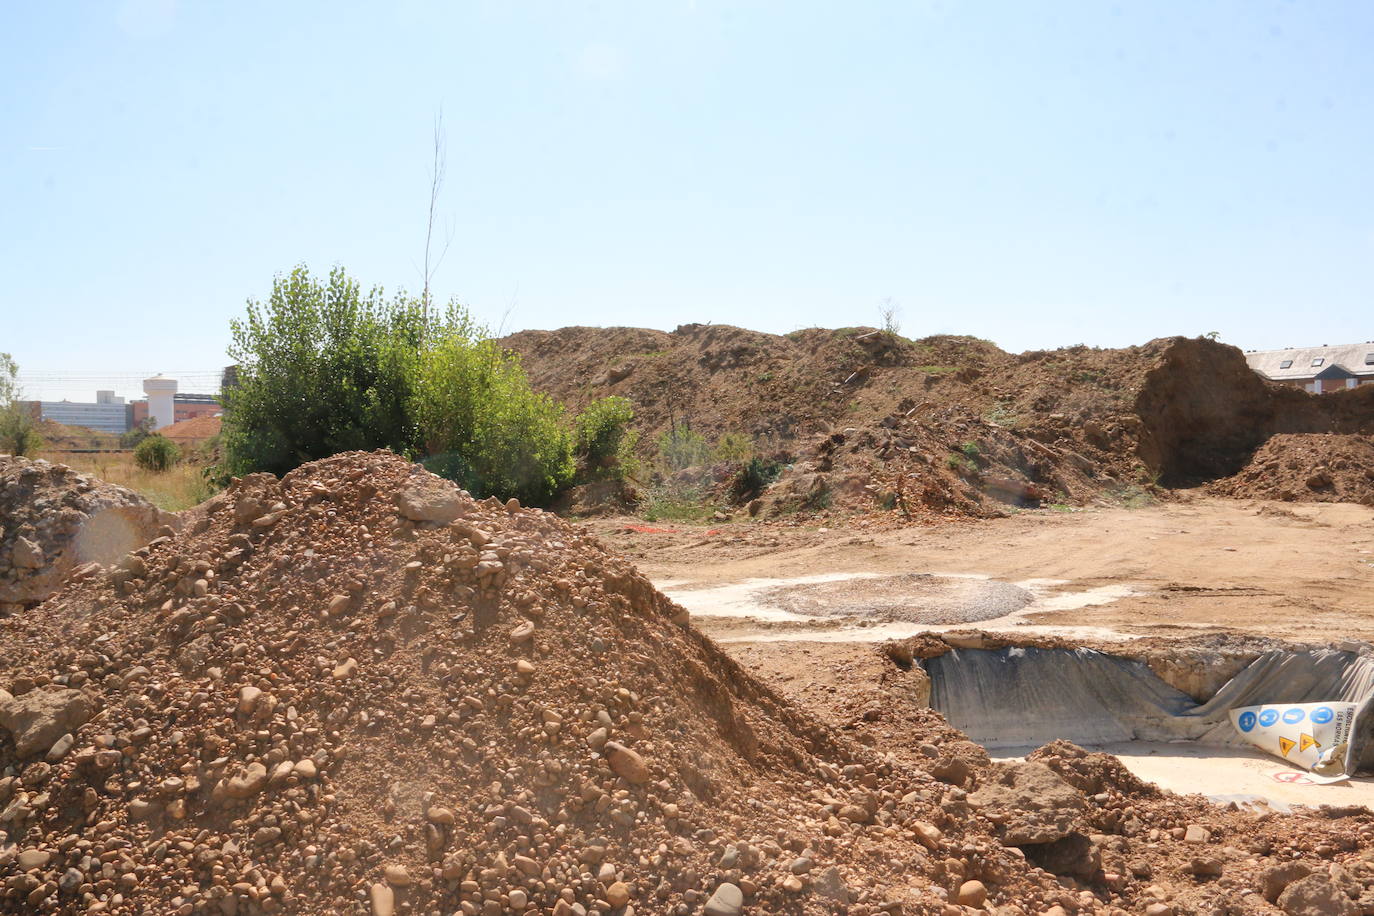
{"x": 802, "y": 606}
{"x": 1303, "y": 572}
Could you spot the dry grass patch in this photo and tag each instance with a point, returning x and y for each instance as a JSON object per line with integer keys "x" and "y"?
{"x": 181, "y": 487}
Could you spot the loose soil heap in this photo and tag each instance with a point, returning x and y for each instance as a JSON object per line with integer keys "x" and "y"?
{"x": 192, "y": 432}
{"x": 949, "y": 425}
{"x": 54, "y": 520}
{"x": 357, "y": 690}
{"x": 1309, "y": 467}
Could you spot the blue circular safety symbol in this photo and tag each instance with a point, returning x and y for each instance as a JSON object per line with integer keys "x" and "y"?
{"x": 1293, "y": 716}
{"x": 1268, "y": 717}
{"x": 1322, "y": 715}
{"x": 1247, "y": 721}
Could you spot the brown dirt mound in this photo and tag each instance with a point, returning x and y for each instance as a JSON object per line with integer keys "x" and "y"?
{"x": 316, "y": 698}
{"x": 54, "y": 519}
{"x": 357, "y": 690}
{"x": 1307, "y": 467}
{"x": 1310, "y": 467}
{"x": 192, "y": 431}
{"x": 865, "y": 417}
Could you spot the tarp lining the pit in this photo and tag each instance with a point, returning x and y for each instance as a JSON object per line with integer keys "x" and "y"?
{"x": 1025, "y": 696}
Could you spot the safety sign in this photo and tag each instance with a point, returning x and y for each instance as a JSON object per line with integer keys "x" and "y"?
{"x": 1315, "y": 736}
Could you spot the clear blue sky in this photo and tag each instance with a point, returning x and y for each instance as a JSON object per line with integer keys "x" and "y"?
{"x": 1039, "y": 174}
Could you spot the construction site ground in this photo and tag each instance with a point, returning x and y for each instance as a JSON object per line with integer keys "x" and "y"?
{"x": 1190, "y": 568}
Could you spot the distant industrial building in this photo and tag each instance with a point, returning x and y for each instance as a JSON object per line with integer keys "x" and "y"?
{"x": 110, "y": 414}
{"x": 1317, "y": 370}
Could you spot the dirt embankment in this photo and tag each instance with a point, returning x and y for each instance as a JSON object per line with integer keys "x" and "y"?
{"x": 943, "y": 424}
{"x": 356, "y": 689}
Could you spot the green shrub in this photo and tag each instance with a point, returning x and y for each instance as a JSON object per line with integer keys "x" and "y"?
{"x": 481, "y": 423}
{"x": 736, "y": 447}
{"x": 753, "y": 478}
{"x": 323, "y": 368}
{"x": 603, "y": 440}
{"x": 157, "y": 453}
{"x": 680, "y": 448}
{"x": 133, "y": 437}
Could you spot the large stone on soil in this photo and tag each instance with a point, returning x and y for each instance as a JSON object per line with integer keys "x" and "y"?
{"x": 54, "y": 520}
{"x": 37, "y": 719}
{"x": 728, "y": 900}
{"x": 430, "y": 501}
{"x": 1316, "y": 895}
{"x": 1028, "y": 803}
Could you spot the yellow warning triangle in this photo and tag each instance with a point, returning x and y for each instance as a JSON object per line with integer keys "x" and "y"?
{"x": 1286, "y": 745}
{"x": 1306, "y": 741}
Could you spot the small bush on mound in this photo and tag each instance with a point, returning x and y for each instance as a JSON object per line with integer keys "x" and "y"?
{"x": 753, "y": 478}
{"x": 157, "y": 453}
{"x": 681, "y": 448}
{"x": 603, "y": 440}
{"x": 734, "y": 447}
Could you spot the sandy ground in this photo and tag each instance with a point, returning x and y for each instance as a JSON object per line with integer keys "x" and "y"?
{"x": 801, "y": 605}
{"x": 1301, "y": 571}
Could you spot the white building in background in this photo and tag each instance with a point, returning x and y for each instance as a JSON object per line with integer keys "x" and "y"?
{"x": 108, "y": 414}
{"x": 161, "y": 394}
{"x": 1317, "y": 370}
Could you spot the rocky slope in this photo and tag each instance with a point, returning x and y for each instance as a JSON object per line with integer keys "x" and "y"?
{"x": 54, "y": 520}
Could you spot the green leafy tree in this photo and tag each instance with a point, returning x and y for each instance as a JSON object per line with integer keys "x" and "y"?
{"x": 603, "y": 441}
{"x": 18, "y": 426}
{"x": 322, "y": 368}
{"x": 156, "y": 453}
{"x": 481, "y": 423}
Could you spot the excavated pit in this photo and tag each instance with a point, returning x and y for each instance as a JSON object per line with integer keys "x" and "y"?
{"x": 1016, "y": 698}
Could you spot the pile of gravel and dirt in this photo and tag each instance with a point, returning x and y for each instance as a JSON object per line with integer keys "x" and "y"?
{"x": 944, "y": 425}
{"x": 1307, "y": 467}
{"x": 55, "y": 520}
{"x": 358, "y": 690}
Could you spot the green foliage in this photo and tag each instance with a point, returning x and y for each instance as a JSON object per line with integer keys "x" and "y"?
{"x": 971, "y": 450}
{"x": 322, "y": 369}
{"x": 18, "y": 426}
{"x": 481, "y": 423}
{"x": 960, "y": 463}
{"x": 133, "y": 437}
{"x": 603, "y": 441}
{"x": 680, "y": 448}
{"x": 676, "y": 504}
{"x": 753, "y": 478}
{"x": 734, "y": 447}
{"x": 157, "y": 453}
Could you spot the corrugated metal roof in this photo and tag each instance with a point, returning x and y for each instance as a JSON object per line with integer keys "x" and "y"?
{"x": 1357, "y": 359}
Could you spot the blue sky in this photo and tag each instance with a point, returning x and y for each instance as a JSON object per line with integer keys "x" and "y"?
{"x": 1040, "y": 174}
